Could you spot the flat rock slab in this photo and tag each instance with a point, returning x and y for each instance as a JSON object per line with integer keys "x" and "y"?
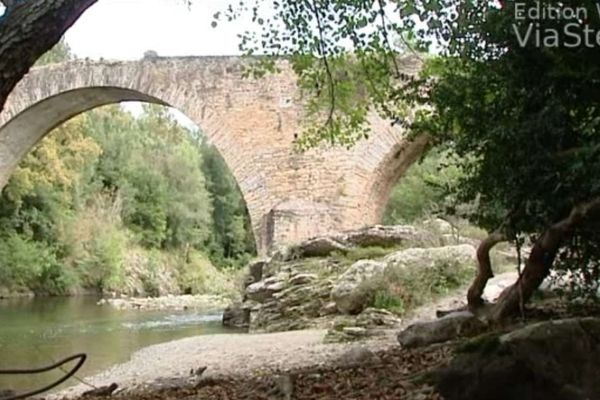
{"x": 449, "y": 327}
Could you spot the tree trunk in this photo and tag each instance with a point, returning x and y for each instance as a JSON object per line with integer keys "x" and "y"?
{"x": 28, "y": 29}
{"x": 540, "y": 260}
{"x": 484, "y": 269}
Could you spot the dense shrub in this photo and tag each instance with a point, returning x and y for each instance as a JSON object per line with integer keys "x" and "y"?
{"x": 402, "y": 290}
{"x": 25, "y": 264}
{"x": 101, "y": 265}
{"x": 423, "y": 190}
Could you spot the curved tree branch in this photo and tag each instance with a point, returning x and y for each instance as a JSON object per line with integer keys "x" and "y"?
{"x": 484, "y": 268}
{"x": 541, "y": 258}
{"x": 28, "y": 29}
{"x": 328, "y": 71}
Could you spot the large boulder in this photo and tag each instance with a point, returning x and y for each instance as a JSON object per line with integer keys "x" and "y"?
{"x": 552, "y": 360}
{"x": 438, "y": 225}
{"x": 349, "y": 292}
{"x": 430, "y": 257}
{"x": 378, "y": 235}
{"x": 449, "y": 327}
{"x": 319, "y": 247}
{"x": 354, "y": 288}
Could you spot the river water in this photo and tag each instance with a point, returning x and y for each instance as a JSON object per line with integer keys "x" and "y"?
{"x": 37, "y": 332}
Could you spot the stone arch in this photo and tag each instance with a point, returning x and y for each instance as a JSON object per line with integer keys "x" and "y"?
{"x": 21, "y": 133}
{"x": 252, "y": 122}
{"x": 376, "y": 165}
{"x": 391, "y": 169}
{"x": 210, "y": 91}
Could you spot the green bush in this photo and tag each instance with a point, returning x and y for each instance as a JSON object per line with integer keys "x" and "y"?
{"x": 386, "y": 300}
{"x": 25, "y": 264}
{"x": 199, "y": 275}
{"x": 402, "y": 290}
{"x": 423, "y": 190}
{"x": 102, "y": 266}
{"x": 150, "y": 281}
{"x": 56, "y": 279}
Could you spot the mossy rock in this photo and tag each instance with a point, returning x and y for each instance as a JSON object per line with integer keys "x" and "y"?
{"x": 485, "y": 344}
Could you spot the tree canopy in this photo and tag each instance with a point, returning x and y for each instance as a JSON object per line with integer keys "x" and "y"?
{"x": 108, "y": 184}
{"x": 520, "y": 115}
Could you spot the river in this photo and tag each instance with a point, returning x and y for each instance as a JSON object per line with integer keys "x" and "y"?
{"x": 36, "y": 332}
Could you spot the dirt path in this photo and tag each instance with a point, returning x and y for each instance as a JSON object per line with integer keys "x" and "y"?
{"x": 169, "y": 364}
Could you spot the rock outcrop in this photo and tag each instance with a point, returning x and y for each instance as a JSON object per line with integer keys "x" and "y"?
{"x": 306, "y": 284}
{"x": 294, "y": 306}
{"x": 551, "y": 360}
{"x": 429, "y": 257}
{"x": 287, "y": 298}
{"x": 349, "y": 292}
{"x": 353, "y": 289}
{"x": 388, "y": 236}
{"x": 378, "y": 235}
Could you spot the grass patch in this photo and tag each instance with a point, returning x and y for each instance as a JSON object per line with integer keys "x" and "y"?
{"x": 199, "y": 276}
{"x": 388, "y": 301}
{"x": 402, "y": 290}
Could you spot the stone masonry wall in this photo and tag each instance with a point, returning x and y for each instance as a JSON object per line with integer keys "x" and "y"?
{"x": 253, "y": 122}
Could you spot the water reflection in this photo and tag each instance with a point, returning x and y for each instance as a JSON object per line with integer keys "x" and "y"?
{"x": 39, "y": 331}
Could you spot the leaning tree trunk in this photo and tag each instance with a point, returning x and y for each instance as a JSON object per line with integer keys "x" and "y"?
{"x": 484, "y": 269}
{"x": 541, "y": 258}
{"x": 28, "y": 29}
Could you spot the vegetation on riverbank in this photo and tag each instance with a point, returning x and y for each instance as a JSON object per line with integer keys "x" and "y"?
{"x": 107, "y": 191}
{"x": 138, "y": 204}
{"x": 117, "y": 202}
{"x": 400, "y": 291}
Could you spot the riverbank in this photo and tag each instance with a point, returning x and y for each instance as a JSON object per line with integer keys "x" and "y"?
{"x": 465, "y": 369}
{"x": 202, "y": 302}
{"x": 330, "y": 288}
{"x": 170, "y": 364}
{"x": 236, "y": 357}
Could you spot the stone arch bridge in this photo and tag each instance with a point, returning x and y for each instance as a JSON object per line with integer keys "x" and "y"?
{"x": 252, "y": 122}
